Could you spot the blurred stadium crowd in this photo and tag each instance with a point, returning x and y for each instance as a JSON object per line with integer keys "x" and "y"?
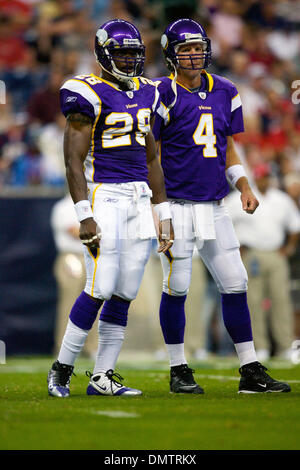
{"x": 256, "y": 44}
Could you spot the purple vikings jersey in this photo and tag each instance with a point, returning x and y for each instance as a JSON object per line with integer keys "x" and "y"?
{"x": 121, "y": 121}
{"x": 193, "y": 146}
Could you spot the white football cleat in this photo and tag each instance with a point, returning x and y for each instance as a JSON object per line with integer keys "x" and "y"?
{"x": 106, "y": 383}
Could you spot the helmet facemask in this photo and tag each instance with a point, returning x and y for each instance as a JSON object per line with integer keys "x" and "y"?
{"x": 194, "y": 58}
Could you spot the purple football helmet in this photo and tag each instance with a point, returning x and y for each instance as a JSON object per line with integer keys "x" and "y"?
{"x": 120, "y": 36}
{"x": 185, "y": 31}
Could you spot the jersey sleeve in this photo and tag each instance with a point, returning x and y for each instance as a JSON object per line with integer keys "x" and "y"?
{"x": 236, "y": 114}
{"x": 77, "y": 97}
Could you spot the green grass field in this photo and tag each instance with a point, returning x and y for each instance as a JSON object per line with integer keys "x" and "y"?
{"x": 220, "y": 419}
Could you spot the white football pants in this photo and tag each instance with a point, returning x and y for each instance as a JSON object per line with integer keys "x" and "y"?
{"x": 123, "y": 213}
{"x": 218, "y": 247}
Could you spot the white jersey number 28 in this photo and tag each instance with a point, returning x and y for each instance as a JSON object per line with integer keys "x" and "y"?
{"x": 204, "y": 135}
{"x": 121, "y": 136}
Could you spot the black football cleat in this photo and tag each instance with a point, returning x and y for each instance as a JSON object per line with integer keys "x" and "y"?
{"x": 58, "y": 380}
{"x": 254, "y": 379}
{"x": 182, "y": 380}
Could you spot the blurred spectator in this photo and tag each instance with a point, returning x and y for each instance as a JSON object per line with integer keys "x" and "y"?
{"x": 12, "y": 45}
{"x": 50, "y": 145}
{"x": 174, "y": 9}
{"x": 69, "y": 269}
{"x": 20, "y": 160}
{"x": 264, "y": 14}
{"x": 23, "y": 80}
{"x": 284, "y": 45}
{"x": 44, "y": 104}
{"x": 251, "y": 84}
{"x": 268, "y": 239}
{"x": 291, "y": 184}
{"x": 227, "y": 26}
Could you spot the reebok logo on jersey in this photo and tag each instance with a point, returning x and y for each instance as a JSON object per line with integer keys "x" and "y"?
{"x": 109, "y": 199}
{"x": 71, "y": 99}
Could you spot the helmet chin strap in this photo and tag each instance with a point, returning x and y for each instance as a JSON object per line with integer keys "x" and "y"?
{"x": 119, "y": 76}
{"x": 174, "y": 84}
{"x": 174, "y": 88}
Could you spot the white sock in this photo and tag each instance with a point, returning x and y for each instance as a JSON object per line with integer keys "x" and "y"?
{"x": 246, "y": 352}
{"x": 176, "y": 354}
{"x": 72, "y": 344}
{"x": 111, "y": 337}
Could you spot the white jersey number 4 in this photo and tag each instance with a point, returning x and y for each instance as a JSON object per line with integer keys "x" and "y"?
{"x": 204, "y": 135}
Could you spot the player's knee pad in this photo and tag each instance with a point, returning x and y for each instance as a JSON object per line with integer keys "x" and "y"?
{"x": 177, "y": 274}
{"x": 115, "y": 311}
{"x": 128, "y": 292}
{"x": 102, "y": 292}
{"x": 232, "y": 278}
{"x": 176, "y": 284}
{"x": 236, "y": 285}
{"x": 102, "y": 273}
{"x": 130, "y": 281}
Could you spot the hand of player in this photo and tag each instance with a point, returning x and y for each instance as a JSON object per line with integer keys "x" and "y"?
{"x": 249, "y": 201}
{"x": 89, "y": 233}
{"x": 166, "y": 235}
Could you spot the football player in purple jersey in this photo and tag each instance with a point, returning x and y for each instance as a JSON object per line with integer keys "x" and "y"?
{"x": 194, "y": 128}
{"x": 110, "y": 158}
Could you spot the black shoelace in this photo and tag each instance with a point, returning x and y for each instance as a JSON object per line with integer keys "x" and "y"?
{"x": 259, "y": 370}
{"x": 185, "y": 373}
{"x": 114, "y": 377}
{"x": 63, "y": 376}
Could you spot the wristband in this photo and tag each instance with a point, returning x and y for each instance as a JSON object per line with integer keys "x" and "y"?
{"x": 234, "y": 173}
{"x": 83, "y": 210}
{"x": 163, "y": 211}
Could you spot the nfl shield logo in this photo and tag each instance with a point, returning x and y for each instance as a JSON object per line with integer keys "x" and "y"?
{"x": 129, "y": 94}
{"x": 202, "y": 95}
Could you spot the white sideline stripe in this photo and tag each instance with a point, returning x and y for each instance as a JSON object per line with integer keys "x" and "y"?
{"x": 116, "y": 414}
{"x": 216, "y": 377}
{"x": 22, "y": 369}
{"x": 227, "y": 377}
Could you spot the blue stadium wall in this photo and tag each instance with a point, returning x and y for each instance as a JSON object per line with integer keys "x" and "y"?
{"x": 28, "y": 293}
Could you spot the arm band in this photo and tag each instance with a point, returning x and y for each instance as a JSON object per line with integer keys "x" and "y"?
{"x": 83, "y": 210}
{"x": 163, "y": 211}
{"x": 234, "y": 173}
